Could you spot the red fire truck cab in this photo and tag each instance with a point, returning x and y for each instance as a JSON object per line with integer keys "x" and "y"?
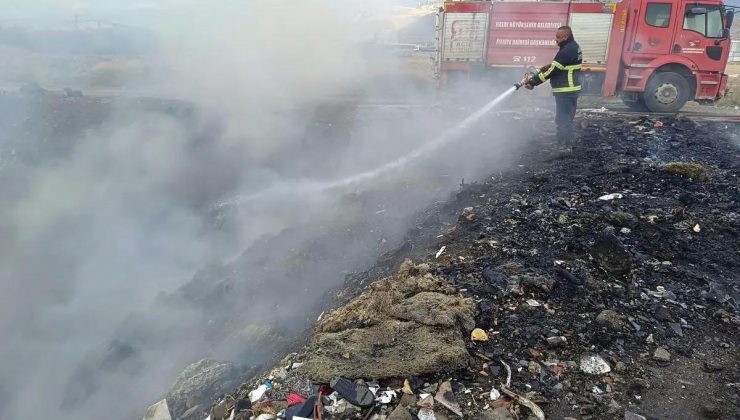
{"x": 655, "y": 54}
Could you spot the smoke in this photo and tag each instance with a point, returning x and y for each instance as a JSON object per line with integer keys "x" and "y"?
{"x": 125, "y": 252}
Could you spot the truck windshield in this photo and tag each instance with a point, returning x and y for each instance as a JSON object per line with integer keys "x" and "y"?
{"x": 708, "y": 24}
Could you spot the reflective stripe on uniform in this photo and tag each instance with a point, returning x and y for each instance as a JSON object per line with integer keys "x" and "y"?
{"x": 570, "y": 78}
{"x": 566, "y": 89}
{"x": 553, "y": 66}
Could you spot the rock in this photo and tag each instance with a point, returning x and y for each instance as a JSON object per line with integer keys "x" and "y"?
{"x": 662, "y": 355}
{"x": 711, "y": 411}
{"x": 663, "y": 314}
{"x": 594, "y": 364}
{"x": 478, "y": 335}
{"x": 408, "y": 400}
{"x": 415, "y": 325}
{"x": 611, "y": 320}
{"x": 401, "y": 413}
{"x": 556, "y": 341}
{"x": 199, "y": 383}
{"x": 621, "y": 219}
{"x": 534, "y": 367}
{"x": 536, "y": 283}
{"x": 495, "y": 277}
{"x": 628, "y": 415}
{"x": 500, "y": 413}
{"x": 711, "y": 367}
{"x": 194, "y": 413}
{"x": 611, "y": 255}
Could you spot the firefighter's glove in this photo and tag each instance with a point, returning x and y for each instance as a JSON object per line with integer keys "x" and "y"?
{"x": 529, "y": 85}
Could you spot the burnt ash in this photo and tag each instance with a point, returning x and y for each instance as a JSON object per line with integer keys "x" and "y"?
{"x": 649, "y": 276}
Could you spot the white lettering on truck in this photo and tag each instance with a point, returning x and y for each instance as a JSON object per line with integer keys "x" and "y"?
{"x": 517, "y": 24}
{"x": 525, "y": 42}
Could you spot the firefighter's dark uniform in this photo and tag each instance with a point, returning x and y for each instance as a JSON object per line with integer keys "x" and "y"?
{"x": 564, "y": 74}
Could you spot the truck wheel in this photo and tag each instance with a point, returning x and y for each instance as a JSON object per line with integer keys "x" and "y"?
{"x": 635, "y": 105}
{"x": 666, "y": 92}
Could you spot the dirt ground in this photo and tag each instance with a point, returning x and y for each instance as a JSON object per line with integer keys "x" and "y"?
{"x": 647, "y": 279}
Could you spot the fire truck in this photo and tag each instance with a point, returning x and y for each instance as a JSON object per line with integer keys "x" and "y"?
{"x": 655, "y": 54}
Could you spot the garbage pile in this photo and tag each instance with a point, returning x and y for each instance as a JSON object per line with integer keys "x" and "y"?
{"x": 596, "y": 284}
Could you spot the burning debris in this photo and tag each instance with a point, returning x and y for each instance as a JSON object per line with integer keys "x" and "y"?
{"x": 548, "y": 303}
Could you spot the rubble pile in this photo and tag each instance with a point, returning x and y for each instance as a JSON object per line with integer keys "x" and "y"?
{"x": 600, "y": 283}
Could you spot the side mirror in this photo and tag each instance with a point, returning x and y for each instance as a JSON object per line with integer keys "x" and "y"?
{"x": 729, "y": 17}
{"x": 698, "y": 10}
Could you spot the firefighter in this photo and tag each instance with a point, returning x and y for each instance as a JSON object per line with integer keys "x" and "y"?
{"x": 564, "y": 74}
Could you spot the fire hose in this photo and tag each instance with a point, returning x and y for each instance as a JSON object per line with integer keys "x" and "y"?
{"x": 529, "y": 75}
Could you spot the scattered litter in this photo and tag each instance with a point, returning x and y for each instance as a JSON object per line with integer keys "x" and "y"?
{"x": 495, "y": 394}
{"x": 258, "y": 393}
{"x": 446, "y": 397}
{"x": 440, "y": 252}
{"x": 658, "y": 124}
{"x": 158, "y": 411}
{"x": 478, "y": 335}
{"x": 596, "y": 390}
{"x": 407, "y": 387}
{"x": 355, "y": 393}
{"x": 534, "y": 408}
{"x": 533, "y": 303}
{"x": 385, "y": 397}
{"x": 609, "y": 197}
{"x": 594, "y": 365}
{"x": 508, "y": 373}
{"x": 697, "y": 228}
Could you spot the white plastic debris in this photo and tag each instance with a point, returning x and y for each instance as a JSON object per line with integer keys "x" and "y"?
{"x": 625, "y": 230}
{"x": 609, "y": 197}
{"x": 158, "y": 411}
{"x": 425, "y": 414}
{"x": 385, "y": 397}
{"x": 258, "y": 393}
{"x": 440, "y": 252}
{"x": 267, "y": 417}
{"x": 661, "y": 292}
{"x": 697, "y": 228}
{"x": 594, "y": 364}
{"x": 533, "y": 303}
{"x": 596, "y": 390}
{"x": 495, "y": 394}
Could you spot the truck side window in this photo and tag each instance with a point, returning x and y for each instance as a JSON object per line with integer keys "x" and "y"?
{"x": 708, "y": 24}
{"x": 658, "y": 14}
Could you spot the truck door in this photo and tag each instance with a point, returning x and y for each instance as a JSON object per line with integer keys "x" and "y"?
{"x": 654, "y": 28}
{"x": 700, "y": 38}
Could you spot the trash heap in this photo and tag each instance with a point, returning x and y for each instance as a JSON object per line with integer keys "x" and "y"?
{"x": 600, "y": 283}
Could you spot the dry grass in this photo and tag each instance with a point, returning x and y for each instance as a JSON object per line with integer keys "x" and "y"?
{"x": 733, "y": 97}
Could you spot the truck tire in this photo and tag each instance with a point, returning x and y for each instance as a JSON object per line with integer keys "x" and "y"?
{"x": 635, "y": 105}
{"x": 666, "y": 92}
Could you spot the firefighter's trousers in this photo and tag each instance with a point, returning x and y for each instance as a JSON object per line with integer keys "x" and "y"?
{"x": 565, "y": 111}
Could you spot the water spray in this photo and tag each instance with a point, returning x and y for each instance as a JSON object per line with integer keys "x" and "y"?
{"x": 312, "y": 187}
